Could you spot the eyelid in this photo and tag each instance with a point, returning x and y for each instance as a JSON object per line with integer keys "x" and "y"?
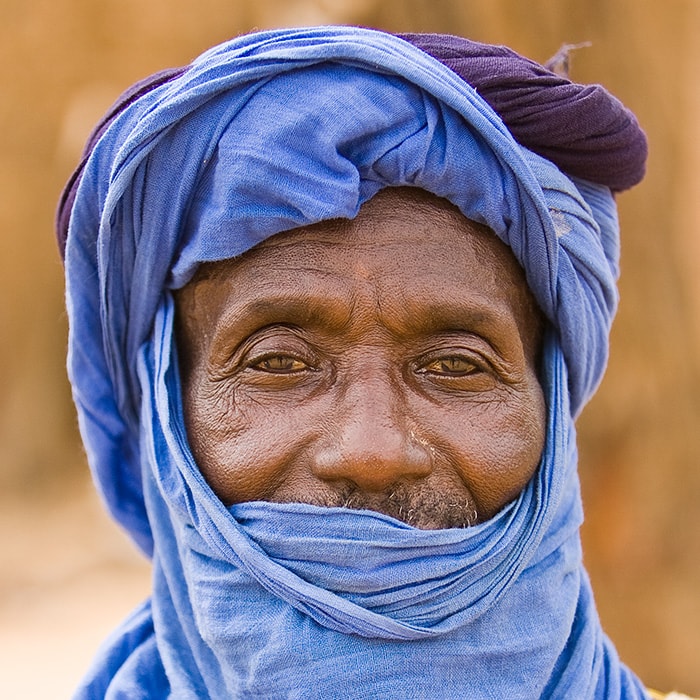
{"x": 272, "y": 341}
{"x": 480, "y": 375}
{"x": 469, "y": 361}
{"x": 255, "y": 362}
{"x": 473, "y": 350}
{"x": 489, "y": 365}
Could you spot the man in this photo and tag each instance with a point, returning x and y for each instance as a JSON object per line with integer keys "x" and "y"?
{"x": 335, "y": 298}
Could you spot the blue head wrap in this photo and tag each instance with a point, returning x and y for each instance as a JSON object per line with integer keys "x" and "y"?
{"x": 263, "y": 134}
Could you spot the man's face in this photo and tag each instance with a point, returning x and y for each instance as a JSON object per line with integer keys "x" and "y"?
{"x": 385, "y": 363}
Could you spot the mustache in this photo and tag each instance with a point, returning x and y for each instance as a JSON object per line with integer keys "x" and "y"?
{"x": 416, "y": 505}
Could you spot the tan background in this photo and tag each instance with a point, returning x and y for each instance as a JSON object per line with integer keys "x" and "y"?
{"x": 67, "y": 576}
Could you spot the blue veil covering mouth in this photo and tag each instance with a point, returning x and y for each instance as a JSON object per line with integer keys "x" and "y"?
{"x": 266, "y": 133}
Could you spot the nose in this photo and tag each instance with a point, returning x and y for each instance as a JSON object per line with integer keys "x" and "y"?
{"x": 370, "y": 440}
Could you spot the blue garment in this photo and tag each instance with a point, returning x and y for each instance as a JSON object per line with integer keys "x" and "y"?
{"x": 262, "y": 134}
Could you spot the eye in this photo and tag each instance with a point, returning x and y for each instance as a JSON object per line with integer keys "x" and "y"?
{"x": 462, "y": 372}
{"x": 451, "y": 366}
{"x": 279, "y": 364}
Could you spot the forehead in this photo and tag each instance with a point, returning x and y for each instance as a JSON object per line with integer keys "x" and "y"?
{"x": 412, "y": 247}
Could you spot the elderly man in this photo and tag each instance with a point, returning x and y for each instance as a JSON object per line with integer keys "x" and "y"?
{"x": 335, "y": 299}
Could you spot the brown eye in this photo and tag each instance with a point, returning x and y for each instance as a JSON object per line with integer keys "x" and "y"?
{"x": 280, "y": 364}
{"x": 453, "y": 366}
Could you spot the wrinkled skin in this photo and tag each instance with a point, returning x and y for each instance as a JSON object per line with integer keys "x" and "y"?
{"x": 385, "y": 363}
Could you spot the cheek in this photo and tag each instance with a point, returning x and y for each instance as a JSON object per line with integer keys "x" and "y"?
{"x": 496, "y": 447}
{"x": 244, "y": 448}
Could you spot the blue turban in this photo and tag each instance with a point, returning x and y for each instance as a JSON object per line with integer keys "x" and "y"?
{"x": 260, "y": 135}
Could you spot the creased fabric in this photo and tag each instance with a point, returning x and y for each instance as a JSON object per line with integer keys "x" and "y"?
{"x": 259, "y": 135}
{"x": 582, "y": 128}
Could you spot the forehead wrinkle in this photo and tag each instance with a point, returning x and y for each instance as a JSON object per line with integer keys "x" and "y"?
{"x": 423, "y": 318}
{"x": 335, "y": 260}
{"x": 268, "y": 304}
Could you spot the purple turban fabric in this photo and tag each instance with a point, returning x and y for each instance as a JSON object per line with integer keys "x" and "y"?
{"x": 583, "y": 129}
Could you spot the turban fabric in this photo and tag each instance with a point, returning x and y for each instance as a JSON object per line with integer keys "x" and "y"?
{"x": 274, "y": 131}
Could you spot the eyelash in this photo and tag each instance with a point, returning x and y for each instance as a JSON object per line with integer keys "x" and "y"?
{"x": 256, "y": 364}
{"x": 445, "y": 371}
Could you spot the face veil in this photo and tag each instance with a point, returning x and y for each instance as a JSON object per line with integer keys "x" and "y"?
{"x": 260, "y": 135}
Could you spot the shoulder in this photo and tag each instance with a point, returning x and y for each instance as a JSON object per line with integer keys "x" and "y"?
{"x": 656, "y": 695}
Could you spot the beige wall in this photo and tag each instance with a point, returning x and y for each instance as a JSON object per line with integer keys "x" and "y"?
{"x": 62, "y": 63}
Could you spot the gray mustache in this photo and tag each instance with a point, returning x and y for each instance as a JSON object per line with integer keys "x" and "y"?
{"x": 416, "y": 505}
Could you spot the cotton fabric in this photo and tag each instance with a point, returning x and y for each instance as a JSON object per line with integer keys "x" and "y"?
{"x": 582, "y": 128}
{"x": 262, "y": 134}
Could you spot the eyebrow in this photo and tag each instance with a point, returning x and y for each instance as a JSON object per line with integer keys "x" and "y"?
{"x": 300, "y": 309}
{"x": 333, "y": 313}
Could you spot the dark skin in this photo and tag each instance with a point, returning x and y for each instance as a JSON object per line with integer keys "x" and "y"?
{"x": 386, "y": 363}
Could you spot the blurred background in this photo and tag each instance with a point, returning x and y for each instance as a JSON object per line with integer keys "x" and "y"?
{"x": 67, "y": 575}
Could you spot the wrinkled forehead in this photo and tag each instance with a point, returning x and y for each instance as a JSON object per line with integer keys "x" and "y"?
{"x": 394, "y": 216}
{"x": 412, "y": 252}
